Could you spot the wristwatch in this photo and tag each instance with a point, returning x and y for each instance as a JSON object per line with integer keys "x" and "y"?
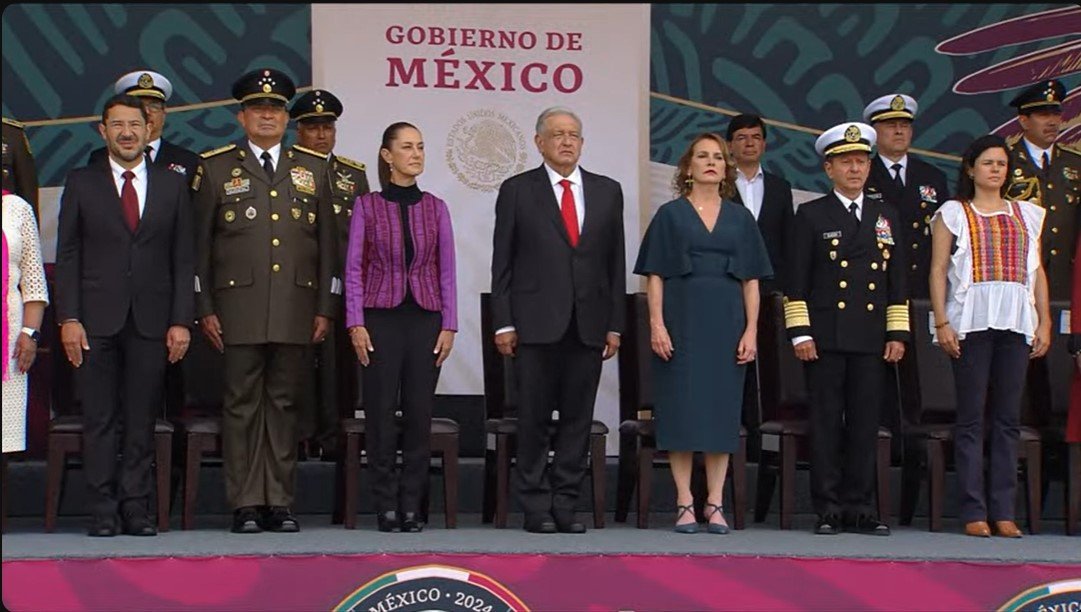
{"x": 34, "y": 334}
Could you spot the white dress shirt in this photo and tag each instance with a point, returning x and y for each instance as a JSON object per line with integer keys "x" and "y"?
{"x": 576, "y": 188}
{"x": 139, "y": 182}
{"x": 904, "y": 166}
{"x": 751, "y": 190}
{"x": 1036, "y": 153}
{"x": 275, "y": 153}
{"x": 155, "y": 147}
{"x": 846, "y": 202}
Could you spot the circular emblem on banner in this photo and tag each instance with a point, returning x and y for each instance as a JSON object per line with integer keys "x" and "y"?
{"x": 484, "y": 147}
{"x": 432, "y": 587}
{"x": 1061, "y": 595}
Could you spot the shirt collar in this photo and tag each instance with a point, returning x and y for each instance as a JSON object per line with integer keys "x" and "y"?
{"x": 889, "y": 164}
{"x": 554, "y": 177}
{"x": 846, "y": 200}
{"x": 750, "y": 179}
{"x": 1037, "y": 152}
{"x": 118, "y": 170}
{"x": 274, "y": 151}
{"x": 157, "y": 146}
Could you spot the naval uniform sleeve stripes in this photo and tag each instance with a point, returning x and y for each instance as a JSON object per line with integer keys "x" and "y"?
{"x": 897, "y": 318}
{"x": 796, "y": 314}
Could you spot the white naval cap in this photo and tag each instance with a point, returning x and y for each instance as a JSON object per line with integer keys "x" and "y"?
{"x": 846, "y": 137}
{"x": 144, "y": 83}
{"x": 892, "y": 106}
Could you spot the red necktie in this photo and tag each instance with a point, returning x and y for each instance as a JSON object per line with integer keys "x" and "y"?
{"x": 570, "y": 214}
{"x": 130, "y": 201}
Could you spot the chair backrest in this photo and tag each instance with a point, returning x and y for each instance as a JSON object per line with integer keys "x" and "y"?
{"x": 635, "y": 355}
{"x": 500, "y": 388}
{"x": 781, "y": 383}
{"x": 1054, "y": 391}
{"x": 927, "y": 392}
{"x": 204, "y": 375}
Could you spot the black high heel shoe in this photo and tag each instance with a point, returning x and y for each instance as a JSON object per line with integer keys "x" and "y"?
{"x": 388, "y": 521}
{"x": 411, "y": 522}
{"x": 685, "y": 527}
{"x": 716, "y": 528}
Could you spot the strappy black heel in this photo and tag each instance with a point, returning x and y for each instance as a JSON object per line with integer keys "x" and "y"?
{"x": 685, "y": 527}
{"x": 716, "y": 528}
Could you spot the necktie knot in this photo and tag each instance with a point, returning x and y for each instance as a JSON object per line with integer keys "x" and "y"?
{"x": 897, "y": 174}
{"x": 854, "y": 209}
{"x": 128, "y": 175}
{"x": 565, "y": 184}
{"x": 268, "y": 165}
{"x": 149, "y": 150}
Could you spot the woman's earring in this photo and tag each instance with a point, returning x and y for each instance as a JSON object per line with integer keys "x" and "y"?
{"x": 689, "y": 180}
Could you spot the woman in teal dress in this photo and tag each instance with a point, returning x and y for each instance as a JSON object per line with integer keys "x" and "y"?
{"x": 703, "y": 256}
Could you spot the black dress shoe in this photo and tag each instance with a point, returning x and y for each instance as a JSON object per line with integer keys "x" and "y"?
{"x": 871, "y": 526}
{"x": 411, "y": 522}
{"x": 280, "y": 520}
{"x": 246, "y": 520}
{"x": 388, "y": 521}
{"x": 540, "y": 524}
{"x": 102, "y": 527}
{"x": 568, "y": 524}
{"x": 139, "y": 525}
{"x": 828, "y": 525}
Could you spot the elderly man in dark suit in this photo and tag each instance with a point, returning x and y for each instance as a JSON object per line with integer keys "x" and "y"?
{"x": 124, "y": 299}
{"x": 558, "y": 286}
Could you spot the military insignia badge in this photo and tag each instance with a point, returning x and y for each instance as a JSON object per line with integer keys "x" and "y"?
{"x": 146, "y": 81}
{"x": 181, "y": 170}
{"x": 295, "y": 212}
{"x": 337, "y": 209}
{"x": 236, "y": 172}
{"x": 883, "y": 231}
{"x": 828, "y": 235}
{"x": 897, "y": 103}
{"x": 1069, "y": 173}
{"x": 885, "y": 253}
{"x": 928, "y": 193}
{"x": 237, "y": 185}
{"x": 311, "y": 218}
{"x": 198, "y": 180}
{"x": 345, "y": 182}
{"x": 230, "y": 216}
{"x": 852, "y": 134}
{"x": 833, "y": 255}
{"x": 250, "y": 213}
{"x": 303, "y": 179}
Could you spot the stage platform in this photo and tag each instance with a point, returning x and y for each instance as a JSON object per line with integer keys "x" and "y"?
{"x": 619, "y": 567}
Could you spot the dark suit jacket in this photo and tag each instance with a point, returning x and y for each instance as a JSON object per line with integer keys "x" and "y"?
{"x": 775, "y": 223}
{"x": 925, "y": 190}
{"x": 538, "y": 279}
{"x": 171, "y": 157}
{"x": 103, "y": 269}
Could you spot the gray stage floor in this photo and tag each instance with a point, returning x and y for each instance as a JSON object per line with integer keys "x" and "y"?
{"x": 24, "y": 539}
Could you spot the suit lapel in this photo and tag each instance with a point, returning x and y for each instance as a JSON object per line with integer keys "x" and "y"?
{"x": 153, "y": 191}
{"x": 111, "y": 198}
{"x": 590, "y": 205}
{"x": 548, "y": 203}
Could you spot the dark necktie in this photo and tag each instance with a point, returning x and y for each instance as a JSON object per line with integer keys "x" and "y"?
{"x": 130, "y": 201}
{"x": 897, "y": 176}
{"x": 268, "y": 167}
{"x": 852, "y": 208}
{"x": 149, "y": 154}
{"x": 569, "y": 212}
{"x": 1046, "y": 163}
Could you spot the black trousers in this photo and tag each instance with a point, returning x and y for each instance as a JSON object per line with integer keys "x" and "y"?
{"x": 259, "y": 414}
{"x": 121, "y": 380}
{"x": 991, "y": 367}
{"x": 401, "y": 373}
{"x": 560, "y": 376}
{"x": 846, "y": 395}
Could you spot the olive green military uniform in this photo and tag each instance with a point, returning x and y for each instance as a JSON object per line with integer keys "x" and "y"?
{"x": 20, "y": 173}
{"x": 266, "y": 267}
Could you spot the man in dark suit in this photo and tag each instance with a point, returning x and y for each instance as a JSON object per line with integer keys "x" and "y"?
{"x": 845, "y": 312}
{"x": 266, "y": 289}
{"x": 155, "y": 90}
{"x": 558, "y": 286}
{"x": 316, "y": 114}
{"x": 914, "y": 187}
{"x": 124, "y": 279}
{"x": 20, "y": 173}
{"x": 766, "y": 195}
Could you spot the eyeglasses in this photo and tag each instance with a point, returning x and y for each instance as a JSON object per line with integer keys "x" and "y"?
{"x": 154, "y": 106}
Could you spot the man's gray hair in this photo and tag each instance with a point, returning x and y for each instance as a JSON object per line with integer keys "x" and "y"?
{"x": 556, "y": 110}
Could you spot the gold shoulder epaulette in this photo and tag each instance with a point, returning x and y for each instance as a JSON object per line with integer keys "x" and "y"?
{"x": 352, "y": 163}
{"x": 218, "y": 151}
{"x": 321, "y": 156}
{"x": 13, "y": 123}
{"x": 1072, "y": 148}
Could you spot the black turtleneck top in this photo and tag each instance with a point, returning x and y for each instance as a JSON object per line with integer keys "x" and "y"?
{"x": 404, "y": 197}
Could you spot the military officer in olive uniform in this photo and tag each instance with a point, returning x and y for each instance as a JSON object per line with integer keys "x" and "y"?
{"x": 846, "y": 312}
{"x": 914, "y": 187}
{"x": 266, "y": 289}
{"x": 335, "y": 395}
{"x": 1046, "y": 173}
{"x": 154, "y": 90}
{"x": 20, "y": 172}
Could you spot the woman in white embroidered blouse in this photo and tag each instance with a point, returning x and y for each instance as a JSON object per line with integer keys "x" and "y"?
{"x": 990, "y": 301}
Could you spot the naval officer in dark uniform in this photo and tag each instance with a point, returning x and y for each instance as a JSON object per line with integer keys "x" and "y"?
{"x": 266, "y": 289}
{"x": 154, "y": 90}
{"x": 334, "y": 395}
{"x": 846, "y": 312}
{"x": 914, "y": 187}
{"x": 1046, "y": 173}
